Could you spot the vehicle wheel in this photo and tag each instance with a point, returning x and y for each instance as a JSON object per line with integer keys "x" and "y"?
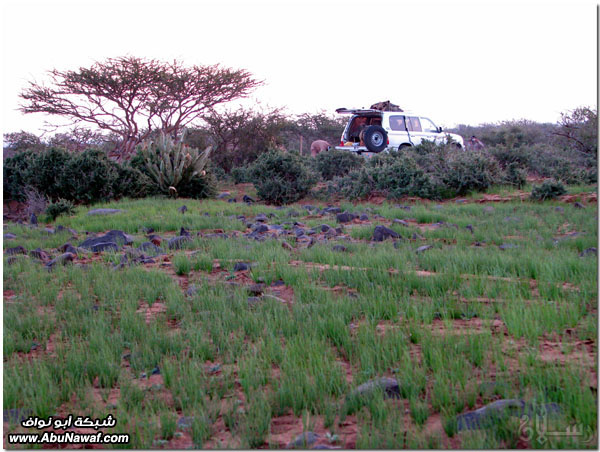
{"x": 403, "y": 147}
{"x": 375, "y": 138}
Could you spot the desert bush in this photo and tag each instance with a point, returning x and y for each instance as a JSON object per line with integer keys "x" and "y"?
{"x": 59, "y": 207}
{"x": 240, "y": 175}
{"x": 549, "y": 189}
{"x": 35, "y": 201}
{"x": 470, "y": 171}
{"x": 281, "y": 178}
{"x": 506, "y": 156}
{"x": 82, "y": 178}
{"x": 515, "y": 175}
{"x": 337, "y": 163}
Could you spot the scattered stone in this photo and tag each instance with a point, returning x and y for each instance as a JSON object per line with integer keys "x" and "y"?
{"x": 512, "y": 219}
{"x": 107, "y": 246}
{"x": 402, "y": 222}
{"x": 155, "y": 239}
{"x": 578, "y": 205}
{"x": 148, "y": 230}
{"x": 155, "y": 371}
{"x": 339, "y": 248}
{"x": 38, "y": 253}
{"x": 9, "y": 236}
{"x": 333, "y": 210}
{"x": 299, "y": 232}
{"x": 49, "y": 231}
{"x": 461, "y": 201}
{"x": 214, "y": 369}
{"x": 589, "y": 252}
{"x": 191, "y": 290}
{"x": 417, "y": 236}
{"x": 183, "y": 209}
{"x": 423, "y": 248}
{"x": 178, "y": 242}
{"x": 16, "y": 415}
{"x": 469, "y": 227}
{"x": 293, "y": 213}
{"x": 16, "y": 250}
{"x": 559, "y": 209}
{"x": 114, "y": 236}
{"x": 309, "y": 207}
{"x": 488, "y": 209}
{"x": 389, "y": 386}
{"x": 304, "y": 439}
{"x": 150, "y": 249}
{"x": 478, "y": 243}
{"x": 232, "y": 200}
{"x": 261, "y": 217}
{"x": 364, "y": 217}
{"x": 241, "y": 266}
{"x": 104, "y": 211}
{"x": 487, "y": 415}
{"x": 325, "y": 227}
{"x": 260, "y": 228}
{"x": 33, "y": 220}
{"x": 63, "y": 259}
{"x": 256, "y": 289}
{"x": 247, "y": 199}
{"x": 183, "y": 232}
{"x": 14, "y": 259}
{"x": 508, "y": 246}
{"x": 185, "y": 422}
{"x": 382, "y": 233}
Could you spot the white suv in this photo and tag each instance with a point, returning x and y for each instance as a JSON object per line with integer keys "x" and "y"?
{"x": 375, "y": 131}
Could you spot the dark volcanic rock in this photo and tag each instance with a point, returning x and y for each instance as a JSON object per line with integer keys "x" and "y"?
{"x": 389, "y": 386}
{"x": 232, "y": 200}
{"x": 40, "y": 254}
{"x": 382, "y": 233}
{"x": 345, "y": 217}
{"x": 507, "y": 246}
{"x": 589, "y": 252}
{"x": 183, "y": 209}
{"x": 559, "y": 209}
{"x": 33, "y": 220}
{"x": 9, "y": 236}
{"x": 256, "y": 289}
{"x": 105, "y": 246}
{"x": 117, "y": 237}
{"x": 578, "y": 205}
{"x": 402, "y": 222}
{"x": 303, "y": 440}
{"x": 332, "y": 210}
{"x": 247, "y": 199}
{"x": 223, "y": 195}
{"x": 104, "y": 211}
{"x": 183, "y": 232}
{"x": 339, "y": 248}
{"x": 16, "y": 250}
{"x": 260, "y": 228}
{"x": 150, "y": 249}
{"x": 325, "y": 227}
{"x": 178, "y": 242}
{"x": 241, "y": 266}
{"x": 261, "y": 217}
{"x": 469, "y": 227}
{"x": 63, "y": 259}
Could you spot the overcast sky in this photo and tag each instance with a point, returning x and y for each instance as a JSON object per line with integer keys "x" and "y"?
{"x": 467, "y": 62}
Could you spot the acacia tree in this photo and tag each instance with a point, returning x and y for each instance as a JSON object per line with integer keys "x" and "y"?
{"x": 578, "y": 129}
{"x": 132, "y": 97}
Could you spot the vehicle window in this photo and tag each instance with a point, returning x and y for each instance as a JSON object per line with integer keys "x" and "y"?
{"x": 428, "y": 126}
{"x": 414, "y": 125}
{"x": 397, "y": 123}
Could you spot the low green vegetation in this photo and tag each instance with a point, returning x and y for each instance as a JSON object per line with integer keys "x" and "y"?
{"x": 183, "y": 354}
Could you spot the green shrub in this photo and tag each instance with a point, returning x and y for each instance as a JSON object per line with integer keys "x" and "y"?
{"x": 84, "y": 177}
{"x": 549, "y": 189}
{"x": 15, "y": 177}
{"x": 281, "y": 177}
{"x": 59, "y": 207}
{"x": 336, "y": 163}
{"x": 470, "y": 171}
{"x": 240, "y": 175}
{"x": 506, "y": 156}
{"x": 515, "y": 175}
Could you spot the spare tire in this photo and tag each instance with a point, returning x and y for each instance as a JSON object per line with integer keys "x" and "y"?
{"x": 375, "y": 138}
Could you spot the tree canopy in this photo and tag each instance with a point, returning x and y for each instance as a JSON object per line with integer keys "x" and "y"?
{"x": 133, "y": 97}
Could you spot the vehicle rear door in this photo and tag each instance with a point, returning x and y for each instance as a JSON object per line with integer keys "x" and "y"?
{"x": 416, "y": 131}
{"x": 396, "y": 130}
